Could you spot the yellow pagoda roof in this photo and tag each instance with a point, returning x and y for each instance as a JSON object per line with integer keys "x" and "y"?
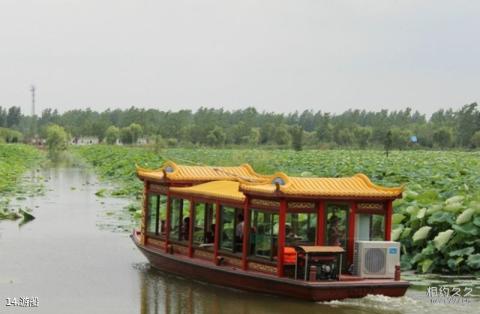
{"x": 232, "y": 182}
{"x": 225, "y": 190}
{"x": 172, "y": 172}
{"x": 356, "y": 186}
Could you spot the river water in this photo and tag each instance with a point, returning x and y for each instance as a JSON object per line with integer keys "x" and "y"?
{"x": 75, "y": 259}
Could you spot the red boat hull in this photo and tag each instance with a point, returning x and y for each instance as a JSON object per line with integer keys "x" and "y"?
{"x": 268, "y": 284}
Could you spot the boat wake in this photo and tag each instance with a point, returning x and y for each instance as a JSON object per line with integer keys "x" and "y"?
{"x": 383, "y": 304}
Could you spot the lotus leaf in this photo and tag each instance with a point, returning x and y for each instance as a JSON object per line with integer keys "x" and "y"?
{"x": 396, "y": 233}
{"x": 476, "y": 221}
{"x": 442, "y": 238}
{"x": 453, "y": 207}
{"x": 465, "y": 217}
{"x": 427, "y": 197}
{"x": 453, "y": 263}
{"x": 468, "y": 228}
{"x": 466, "y": 251}
{"x": 421, "y": 233}
{"x": 406, "y": 233}
{"x": 440, "y": 217}
{"x": 474, "y": 261}
{"x": 421, "y": 213}
{"x": 410, "y": 195}
{"x": 426, "y": 264}
{"x": 434, "y": 208}
{"x": 455, "y": 199}
{"x": 397, "y": 218}
{"x": 412, "y": 210}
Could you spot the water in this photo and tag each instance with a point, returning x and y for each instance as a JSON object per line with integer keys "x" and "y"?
{"x": 75, "y": 260}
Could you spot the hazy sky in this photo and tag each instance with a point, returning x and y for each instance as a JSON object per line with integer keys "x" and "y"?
{"x": 275, "y": 55}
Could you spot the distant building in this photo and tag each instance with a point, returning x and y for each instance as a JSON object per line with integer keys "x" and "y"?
{"x": 142, "y": 141}
{"x": 84, "y": 140}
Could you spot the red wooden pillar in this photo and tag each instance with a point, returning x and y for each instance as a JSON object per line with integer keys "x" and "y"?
{"x": 191, "y": 226}
{"x": 281, "y": 236}
{"x": 145, "y": 212}
{"x": 321, "y": 223}
{"x": 351, "y": 232}
{"x": 246, "y": 233}
{"x": 216, "y": 238}
{"x": 168, "y": 223}
{"x": 388, "y": 221}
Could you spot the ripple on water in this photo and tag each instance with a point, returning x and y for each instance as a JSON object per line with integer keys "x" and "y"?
{"x": 406, "y": 304}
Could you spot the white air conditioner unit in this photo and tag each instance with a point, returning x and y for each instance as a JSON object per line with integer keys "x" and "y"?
{"x": 376, "y": 259}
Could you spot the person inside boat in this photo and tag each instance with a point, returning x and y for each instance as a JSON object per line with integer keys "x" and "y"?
{"x": 239, "y": 233}
{"x": 210, "y": 235}
{"x": 163, "y": 227}
{"x": 291, "y": 238}
{"x": 185, "y": 229}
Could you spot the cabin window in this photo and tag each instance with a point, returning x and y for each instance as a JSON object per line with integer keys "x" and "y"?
{"x": 179, "y": 219}
{"x": 337, "y": 228}
{"x": 300, "y": 229}
{"x": 227, "y": 230}
{"x": 370, "y": 227}
{"x": 264, "y": 234}
{"x": 156, "y": 214}
{"x": 204, "y": 227}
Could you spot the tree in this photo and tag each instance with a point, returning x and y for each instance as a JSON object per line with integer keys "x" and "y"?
{"x": 443, "y": 137}
{"x": 325, "y": 130}
{"x": 475, "y": 140}
{"x": 216, "y": 137}
{"x": 136, "y": 132}
{"x": 131, "y": 134}
{"x": 254, "y": 137}
{"x": 240, "y": 133}
{"x": 10, "y": 136}
{"x": 344, "y": 137}
{"x": 57, "y": 140}
{"x": 13, "y": 116}
{"x": 362, "y": 135}
{"x": 400, "y": 138}
{"x": 387, "y": 143}
{"x": 296, "y": 132}
{"x": 468, "y": 122}
{"x": 126, "y": 135}
{"x": 112, "y": 134}
{"x": 267, "y": 133}
{"x": 282, "y": 137}
{"x": 159, "y": 143}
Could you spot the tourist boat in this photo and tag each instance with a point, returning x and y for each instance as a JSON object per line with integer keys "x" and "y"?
{"x": 316, "y": 239}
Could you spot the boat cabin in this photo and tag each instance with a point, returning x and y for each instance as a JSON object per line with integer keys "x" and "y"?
{"x": 236, "y": 217}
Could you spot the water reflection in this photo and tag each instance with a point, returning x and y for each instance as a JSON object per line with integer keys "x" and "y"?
{"x": 164, "y": 293}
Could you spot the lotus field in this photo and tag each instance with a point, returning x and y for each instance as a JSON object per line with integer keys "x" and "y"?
{"x": 437, "y": 221}
{"x": 15, "y": 159}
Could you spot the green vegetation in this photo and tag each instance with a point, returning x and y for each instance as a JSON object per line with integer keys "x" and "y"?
{"x": 111, "y": 135}
{"x": 15, "y": 159}
{"x": 57, "y": 140}
{"x": 437, "y": 221}
{"x": 404, "y": 129}
{"x": 131, "y": 134}
{"x": 10, "y": 136}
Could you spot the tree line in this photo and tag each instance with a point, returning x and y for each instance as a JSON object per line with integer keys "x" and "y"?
{"x": 248, "y": 127}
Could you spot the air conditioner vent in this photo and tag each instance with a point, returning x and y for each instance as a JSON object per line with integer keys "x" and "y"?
{"x": 376, "y": 259}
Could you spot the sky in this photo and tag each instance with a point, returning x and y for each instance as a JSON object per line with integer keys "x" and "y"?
{"x": 275, "y": 55}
